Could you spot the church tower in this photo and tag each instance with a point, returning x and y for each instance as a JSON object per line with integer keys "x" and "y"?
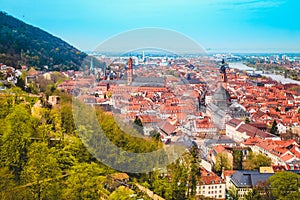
{"x": 223, "y": 74}
{"x": 221, "y": 109}
{"x": 129, "y": 72}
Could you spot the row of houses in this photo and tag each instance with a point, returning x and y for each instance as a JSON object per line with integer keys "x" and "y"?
{"x": 248, "y": 135}
{"x": 239, "y": 131}
{"x": 266, "y": 102}
{"x": 239, "y": 181}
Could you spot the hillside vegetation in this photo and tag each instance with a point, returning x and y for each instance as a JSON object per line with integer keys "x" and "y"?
{"x": 23, "y": 44}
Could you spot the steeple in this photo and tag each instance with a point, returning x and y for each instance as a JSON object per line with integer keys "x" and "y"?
{"x": 223, "y": 74}
{"x": 221, "y": 97}
{"x": 129, "y": 72}
{"x": 144, "y": 58}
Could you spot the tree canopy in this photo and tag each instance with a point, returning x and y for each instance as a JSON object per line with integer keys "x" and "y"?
{"x": 274, "y": 128}
{"x": 222, "y": 161}
{"x": 256, "y": 160}
{"x": 43, "y": 157}
{"x": 285, "y": 185}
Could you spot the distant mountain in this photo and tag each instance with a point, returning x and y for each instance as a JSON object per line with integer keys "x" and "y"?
{"x": 23, "y": 44}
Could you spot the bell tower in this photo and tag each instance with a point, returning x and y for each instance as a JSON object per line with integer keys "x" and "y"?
{"x": 129, "y": 72}
{"x": 223, "y": 74}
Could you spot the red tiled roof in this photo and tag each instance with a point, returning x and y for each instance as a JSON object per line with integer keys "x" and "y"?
{"x": 287, "y": 157}
{"x": 167, "y": 127}
{"x": 252, "y": 141}
{"x": 258, "y": 114}
{"x": 234, "y": 122}
{"x": 210, "y": 178}
{"x": 219, "y": 148}
{"x": 149, "y": 119}
{"x": 253, "y": 132}
{"x": 286, "y": 143}
{"x": 296, "y": 151}
{"x": 227, "y": 173}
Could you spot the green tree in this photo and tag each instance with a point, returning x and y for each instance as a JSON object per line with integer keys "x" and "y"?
{"x": 67, "y": 119}
{"x": 42, "y": 172}
{"x": 194, "y": 171}
{"x": 44, "y": 131}
{"x": 255, "y": 161}
{"x": 248, "y": 163}
{"x": 237, "y": 159}
{"x": 264, "y": 190}
{"x": 15, "y": 96}
{"x": 77, "y": 150}
{"x": 155, "y": 134}
{"x": 55, "y": 120}
{"x": 138, "y": 124}
{"x": 262, "y": 160}
{"x": 51, "y": 88}
{"x": 233, "y": 192}
{"x": 21, "y": 80}
{"x": 179, "y": 180}
{"x": 247, "y": 120}
{"x": 44, "y": 84}
{"x": 162, "y": 187}
{"x": 285, "y": 185}
{"x": 65, "y": 159}
{"x": 122, "y": 193}
{"x": 16, "y": 140}
{"x": 85, "y": 181}
{"x": 32, "y": 88}
{"x": 222, "y": 161}
{"x": 274, "y": 128}
{"x": 5, "y": 106}
{"x": 7, "y": 184}
{"x": 254, "y": 194}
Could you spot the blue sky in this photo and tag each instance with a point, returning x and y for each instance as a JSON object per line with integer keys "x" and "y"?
{"x": 221, "y": 25}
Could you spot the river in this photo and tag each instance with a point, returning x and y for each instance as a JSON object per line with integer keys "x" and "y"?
{"x": 279, "y": 78}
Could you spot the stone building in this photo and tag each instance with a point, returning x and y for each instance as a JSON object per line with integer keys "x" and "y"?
{"x": 220, "y": 108}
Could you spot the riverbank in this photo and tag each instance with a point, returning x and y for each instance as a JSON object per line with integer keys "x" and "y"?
{"x": 279, "y": 78}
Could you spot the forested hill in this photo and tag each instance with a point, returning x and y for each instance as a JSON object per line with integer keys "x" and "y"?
{"x": 23, "y": 44}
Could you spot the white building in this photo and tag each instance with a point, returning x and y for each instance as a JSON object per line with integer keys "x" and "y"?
{"x": 239, "y": 131}
{"x": 211, "y": 185}
{"x": 281, "y": 128}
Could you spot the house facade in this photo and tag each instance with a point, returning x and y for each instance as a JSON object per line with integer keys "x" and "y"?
{"x": 211, "y": 185}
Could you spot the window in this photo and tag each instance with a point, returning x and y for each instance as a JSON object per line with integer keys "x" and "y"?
{"x": 203, "y": 187}
{"x": 220, "y": 191}
{"x": 220, "y": 186}
{"x": 216, "y": 187}
{"x": 208, "y": 192}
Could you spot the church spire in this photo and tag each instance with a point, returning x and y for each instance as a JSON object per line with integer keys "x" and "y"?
{"x": 129, "y": 72}
{"x": 223, "y": 73}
